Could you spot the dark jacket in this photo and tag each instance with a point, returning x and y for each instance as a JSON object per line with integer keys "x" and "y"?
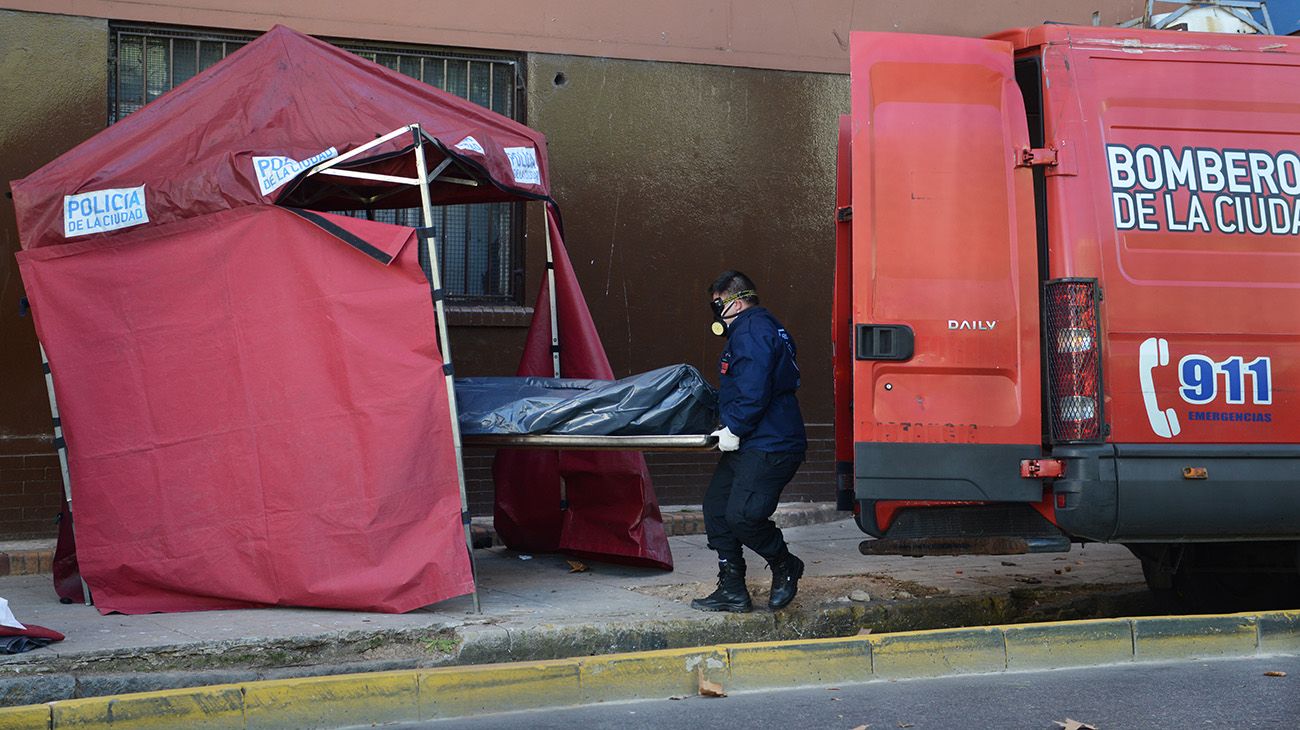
{"x": 759, "y": 377}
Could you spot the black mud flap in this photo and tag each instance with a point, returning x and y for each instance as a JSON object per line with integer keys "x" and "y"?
{"x": 984, "y": 529}
{"x": 1003, "y": 545}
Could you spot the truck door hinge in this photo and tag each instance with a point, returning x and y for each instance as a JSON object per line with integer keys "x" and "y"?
{"x": 844, "y": 214}
{"x": 1032, "y": 156}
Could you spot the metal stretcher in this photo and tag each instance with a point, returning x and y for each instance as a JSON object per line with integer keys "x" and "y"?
{"x": 690, "y": 442}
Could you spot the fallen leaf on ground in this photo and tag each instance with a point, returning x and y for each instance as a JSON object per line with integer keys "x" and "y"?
{"x": 577, "y": 567}
{"x": 709, "y": 689}
{"x": 1057, "y": 571}
{"x": 1008, "y": 563}
{"x": 1075, "y": 725}
{"x": 905, "y": 724}
{"x": 832, "y": 689}
{"x": 1028, "y": 579}
{"x": 861, "y": 727}
{"x": 835, "y": 699}
{"x": 677, "y": 697}
{"x": 1274, "y": 674}
{"x": 958, "y": 572}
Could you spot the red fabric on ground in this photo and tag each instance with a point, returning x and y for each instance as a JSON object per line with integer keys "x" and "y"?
{"x": 613, "y": 513}
{"x": 32, "y": 631}
{"x": 255, "y": 414}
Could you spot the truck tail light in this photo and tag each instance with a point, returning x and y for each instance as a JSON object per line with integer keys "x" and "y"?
{"x": 1073, "y": 346}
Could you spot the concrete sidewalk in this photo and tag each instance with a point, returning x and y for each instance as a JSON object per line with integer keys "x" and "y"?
{"x": 534, "y": 607}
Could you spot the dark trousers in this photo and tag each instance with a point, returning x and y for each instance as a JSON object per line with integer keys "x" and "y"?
{"x": 740, "y": 500}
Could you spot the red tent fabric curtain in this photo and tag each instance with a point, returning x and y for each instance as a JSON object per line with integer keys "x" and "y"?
{"x": 255, "y": 415}
{"x": 612, "y": 513}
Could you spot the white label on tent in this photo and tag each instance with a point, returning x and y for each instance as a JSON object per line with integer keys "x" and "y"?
{"x": 272, "y": 172}
{"x": 523, "y": 163}
{"x": 469, "y": 143}
{"x": 103, "y": 210}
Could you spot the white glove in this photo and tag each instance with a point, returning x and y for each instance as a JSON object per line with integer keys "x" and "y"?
{"x": 727, "y": 441}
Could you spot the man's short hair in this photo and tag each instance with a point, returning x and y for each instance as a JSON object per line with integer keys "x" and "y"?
{"x": 730, "y": 283}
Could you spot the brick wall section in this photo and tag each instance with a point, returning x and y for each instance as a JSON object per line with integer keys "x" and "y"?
{"x": 27, "y": 562}
{"x": 680, "y": 478}
{"x": 31, "y": 495}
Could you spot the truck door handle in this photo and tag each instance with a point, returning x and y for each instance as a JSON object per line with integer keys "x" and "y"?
{"x": 885, "y": 342}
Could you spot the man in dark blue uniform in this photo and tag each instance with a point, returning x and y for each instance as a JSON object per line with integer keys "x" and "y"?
{"x": 762, "y": 440}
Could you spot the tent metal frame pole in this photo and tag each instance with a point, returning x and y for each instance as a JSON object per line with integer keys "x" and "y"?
{"x": 555, "y": 324}
{"x": 550, "y": 280}
{"x": 449, "y": 374}
{"x": 326, "y": 164}
{"x": 62, "y": 448}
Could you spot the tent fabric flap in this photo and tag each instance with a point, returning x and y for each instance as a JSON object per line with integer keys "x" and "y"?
{"x": 255, "y": 415}
{"x": 379, "y": 241}
{"x": 610, "y": 511}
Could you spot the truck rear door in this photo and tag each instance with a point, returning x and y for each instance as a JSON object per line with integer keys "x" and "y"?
{"x": 945, "y": 295}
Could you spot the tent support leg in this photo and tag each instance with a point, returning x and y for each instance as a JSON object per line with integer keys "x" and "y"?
{"x": 62, "y": 448}
{"x": 555, "y": 326}
{"x": 422, "y": 172}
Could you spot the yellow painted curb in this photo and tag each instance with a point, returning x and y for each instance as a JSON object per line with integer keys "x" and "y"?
{"x": 338, "y": 701}
{"x": 1180, "y": 637}
{"x": 463, "y": 691}
{"x": 425, "y": 694}
{"x": 1068, "y": 644}
{"x": 664, "y": 673}
{"x": 937, "y": 653}
{"x": 27, "y": 717}
{"x": 217, "y": 707}
{"x": 1279, "y": 632}
{"x": 787, "y": 664}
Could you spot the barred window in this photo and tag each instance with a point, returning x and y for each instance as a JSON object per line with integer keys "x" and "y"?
{"x": 480, "y": 244}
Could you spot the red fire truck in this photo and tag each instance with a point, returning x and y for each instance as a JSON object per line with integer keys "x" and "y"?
{"x": 1067, "y": 298}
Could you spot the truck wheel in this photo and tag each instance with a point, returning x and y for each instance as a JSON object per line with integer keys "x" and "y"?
{"x": 1158, "y": 573}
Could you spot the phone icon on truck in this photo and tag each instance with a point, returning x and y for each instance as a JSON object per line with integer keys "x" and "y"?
{"x": 1154, "y": 353}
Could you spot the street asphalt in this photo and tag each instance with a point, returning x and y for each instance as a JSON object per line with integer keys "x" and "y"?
{"x": 538, "y": 607}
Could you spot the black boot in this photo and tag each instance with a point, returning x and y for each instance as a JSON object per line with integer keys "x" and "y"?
{"x": 786, "y": 572}
{"x": 731, "y": 595}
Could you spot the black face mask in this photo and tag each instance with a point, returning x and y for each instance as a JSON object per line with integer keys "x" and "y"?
{"x": 720, "y": 307}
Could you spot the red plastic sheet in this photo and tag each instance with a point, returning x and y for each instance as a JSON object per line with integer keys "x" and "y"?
{"x": 255, "y": 414}
{"x": 612, "y": 513}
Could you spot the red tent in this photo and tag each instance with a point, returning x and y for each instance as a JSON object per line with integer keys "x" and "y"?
{"x": 252, "y": 393}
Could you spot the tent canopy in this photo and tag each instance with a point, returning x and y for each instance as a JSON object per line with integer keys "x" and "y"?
{"x": 244, "y": 131}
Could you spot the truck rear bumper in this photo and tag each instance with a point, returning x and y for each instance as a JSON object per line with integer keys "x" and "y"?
{"x": 1179, "y": 492}
{"x": 1110, "y": 492}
